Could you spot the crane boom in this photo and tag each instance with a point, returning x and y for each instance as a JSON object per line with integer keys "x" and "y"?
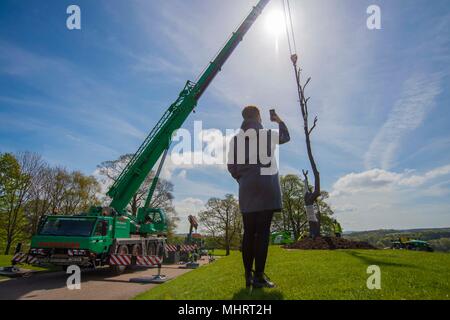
{"x": 143, "y": 161}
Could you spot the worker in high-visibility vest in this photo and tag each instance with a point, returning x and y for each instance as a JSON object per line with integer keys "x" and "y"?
{"x": 337, "y": 228}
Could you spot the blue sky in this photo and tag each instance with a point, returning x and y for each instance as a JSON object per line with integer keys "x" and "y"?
{"x": 383, "y": 139}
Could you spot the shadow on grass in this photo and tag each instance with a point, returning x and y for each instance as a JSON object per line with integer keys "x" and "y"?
{"x": 372, "y": 261}
{"x": 217, "y": 253}
{"x": 258, "y": 294}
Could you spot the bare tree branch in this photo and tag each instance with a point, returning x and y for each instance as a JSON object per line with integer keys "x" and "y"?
{"x": 310, "y": 197}
{"x": 312, "y": 128}
{"x": 307, "y": 82}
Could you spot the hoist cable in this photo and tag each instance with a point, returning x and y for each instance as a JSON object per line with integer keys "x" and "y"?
{"x": 289, "y": 25}
{"x": 292, "y": 25}
{"x": 288, "y": 36}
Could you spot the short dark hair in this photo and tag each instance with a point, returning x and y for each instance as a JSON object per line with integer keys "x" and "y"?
{"x": 250, "y": 113}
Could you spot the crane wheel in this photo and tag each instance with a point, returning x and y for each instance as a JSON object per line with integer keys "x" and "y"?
{"x": 120, "y": 269}
{"x": 151, "y": 248}
{"x": 155, "y": 248}
{"x": 136, "y": 250}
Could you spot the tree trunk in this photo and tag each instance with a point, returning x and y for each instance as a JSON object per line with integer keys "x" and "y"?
{"x": 310, "y": 197}
{"x": 319, "y": 217}
{"x": 8, "y": 246}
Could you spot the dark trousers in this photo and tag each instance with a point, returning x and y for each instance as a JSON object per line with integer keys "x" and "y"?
{"x": 256, "y": 239}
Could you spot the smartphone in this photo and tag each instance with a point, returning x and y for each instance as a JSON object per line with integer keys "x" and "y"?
{"x": 272, "y": 114}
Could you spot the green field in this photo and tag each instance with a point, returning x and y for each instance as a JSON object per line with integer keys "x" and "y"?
{"x": 318, "y": 275}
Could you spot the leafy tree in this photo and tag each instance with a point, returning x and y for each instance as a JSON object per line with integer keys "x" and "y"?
{"x": 57, "y": 191}
{"x": 325, "y": 214}
{"x": 222, "y": 221}
{"x": 293, "y": 216}
{"x": 17, "y": 174}
{"x": 80, "y": 194}
{"x": 39, "y": 203}
{"x": 60, "y": 182}
{"x": 162, "y": 197}
{"x": 442, "y": 244}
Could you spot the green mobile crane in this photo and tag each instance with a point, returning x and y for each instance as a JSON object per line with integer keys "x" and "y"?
{"x": 111, "y": 235}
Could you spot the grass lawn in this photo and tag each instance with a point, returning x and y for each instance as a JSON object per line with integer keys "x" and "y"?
{"x": 6, "y": 261}
{"x": 218, "y": 252}
{"x": 299, "y": 274}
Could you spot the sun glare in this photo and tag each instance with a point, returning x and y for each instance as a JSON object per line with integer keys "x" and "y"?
{"x": 275, "y": 22}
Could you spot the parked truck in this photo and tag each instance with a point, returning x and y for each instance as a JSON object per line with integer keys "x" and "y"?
{"x": 111, "y": 236}
{"x": 411, "y": 244}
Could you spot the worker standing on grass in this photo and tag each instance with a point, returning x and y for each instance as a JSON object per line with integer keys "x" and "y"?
{"x": 251, "y": 161}
{"x": 337, "y": 229}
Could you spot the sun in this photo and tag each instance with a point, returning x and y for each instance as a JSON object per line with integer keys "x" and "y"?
{"x": 275, "y": 22}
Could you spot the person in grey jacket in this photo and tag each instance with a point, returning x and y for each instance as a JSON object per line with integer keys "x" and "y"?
{"x": 251, "y": 161}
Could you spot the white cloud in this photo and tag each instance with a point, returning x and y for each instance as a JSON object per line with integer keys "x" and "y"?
{"x": 208, "y": 151}
{"x": 379, "y": 179}
{"x": 372, "y": 179}
{"x": 417, "y": 180}
{"x": 438, "y": 190}
{"x": 379, "y": 198}
{"x": 182, "y": 174}
{"x": 409, "y": 112}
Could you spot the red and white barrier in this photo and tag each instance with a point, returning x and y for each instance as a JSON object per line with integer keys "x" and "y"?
{"x": 188, "y": 247}
{"x": 120, "y": 259}
{"x": 32, "y": 260}
{"x": 171, "y": 247}
{"x": 183, "y": 247}
{"x": 126, "y": 260}
{"x": 21, "y": 257}
{"x": 148, "y": 260}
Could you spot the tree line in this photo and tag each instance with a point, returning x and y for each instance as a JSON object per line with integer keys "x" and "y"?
{"x": 438, "y": 238}
{"x": 31, "y": 188}
{"x": 222, "y": 220}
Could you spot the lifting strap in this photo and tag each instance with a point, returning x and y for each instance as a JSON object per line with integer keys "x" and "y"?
{"x": 290, "y": 34}
{"x": 289, "y": 27}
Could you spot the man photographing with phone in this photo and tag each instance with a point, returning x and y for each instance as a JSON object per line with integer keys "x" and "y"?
{"x": 259, "y": 188}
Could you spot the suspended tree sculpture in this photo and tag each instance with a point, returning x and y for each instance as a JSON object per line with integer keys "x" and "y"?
{"x": 311, "y": 195}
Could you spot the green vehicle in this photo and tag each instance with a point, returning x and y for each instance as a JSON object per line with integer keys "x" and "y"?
{"x": 418, "y": 245}
{"x": 111, "y": 235}
{"x": 91, "y": 240}
{"x": 285, "y": 237}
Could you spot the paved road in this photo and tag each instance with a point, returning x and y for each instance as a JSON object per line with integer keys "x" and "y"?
{"x": 95, "y": 285}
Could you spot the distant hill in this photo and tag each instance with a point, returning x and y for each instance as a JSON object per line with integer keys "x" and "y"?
{"x": 439, "y": 238}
